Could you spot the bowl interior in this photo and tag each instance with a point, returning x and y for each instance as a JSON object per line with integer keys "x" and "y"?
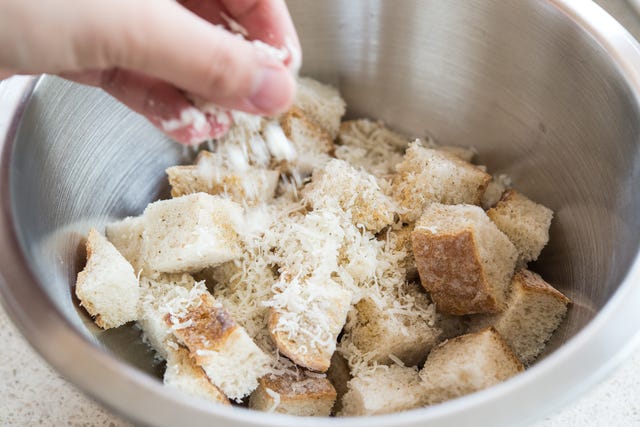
{"x": 538, "y": 98}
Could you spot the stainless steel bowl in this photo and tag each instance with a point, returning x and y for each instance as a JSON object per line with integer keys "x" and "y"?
{"x": 546, "y": 90}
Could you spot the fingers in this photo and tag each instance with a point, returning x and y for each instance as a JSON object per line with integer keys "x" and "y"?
{"x": 161, "y": 103}
{"x": 265, "y": 20}
{"x": 168, "y": 42}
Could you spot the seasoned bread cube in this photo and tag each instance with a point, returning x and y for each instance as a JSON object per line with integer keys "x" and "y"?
{"x": 219, "y": 346}
{"x": 302, "y": 395}
{"x": 534, "y": 310}
{"x": 313, "y": 145}
{"x": 403, "y": 326}
{"x": 495, "y": 189}
{"x": 306, "y": 318}
{"x": 382, "y": 390}
{"x": 189, "y": 233}
{"x": 371, "y": 146}
{"x": 322, "y": 103}
{"x": 126, "y": 236}
{"x": 339, "y": 374}
{"x": 428, "y": 176}
{"x": 525, "y": 223}
{"x": 354, "y": 191}
{"x": 399, "y": 237}
{"x": 467, "y": 364}
{"x": 183, "y": 374}
{"x": 158, "y": 295}
{"x": 214, "y": 175}
{"x": 107, "y": 287}
{"x": 464, "y": 261}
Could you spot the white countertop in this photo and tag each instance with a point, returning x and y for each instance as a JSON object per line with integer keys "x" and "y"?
{"x": 31, "y": 393}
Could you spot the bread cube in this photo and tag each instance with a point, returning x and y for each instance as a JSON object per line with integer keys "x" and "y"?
{"x": 428, "y": 176}
{"x": 495, "y": 189}
{"x": 404, "y": 327}
{"x": 339, "y": 375}
{"x": 306, "y": 318}
{"x": 183, "y": 374}
{"x": 464, "y": 261}
{"x": 301, "y": 395}
{"x": 356, "y": 192}
{"x": 467, "y": 364}
{"x": 399, "y": 237}
{"x": 313, "y": 145}
{"x": 126, "y": 236}
{"x": 213, "y": 175}
{"x": 189, "y": 233}
{"x": 534, "y": 310}
{"x": 107, "y": 287}
{"x": 322, "y": 103}
{"x": 383, "y": 390}
{"x": 158, "y": 295}
{"x": 371, "y": 146}
{"x": 525, "y": 222}
{"x": 219, "y": 346}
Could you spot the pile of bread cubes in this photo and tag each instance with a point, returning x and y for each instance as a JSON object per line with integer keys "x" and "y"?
{"x": 312, "y": 266}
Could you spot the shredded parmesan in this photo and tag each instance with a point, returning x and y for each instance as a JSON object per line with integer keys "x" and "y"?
{"x": 276, "y": 399}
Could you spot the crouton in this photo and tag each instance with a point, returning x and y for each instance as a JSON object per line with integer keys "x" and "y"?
{"x": 189, "y": 233}
{"x": 339, "y": 374}
{"x": 371, "y": 146}
{"x": 525, "y": 223}
{"x": 183, "y": 374}
{"x": 534, "y": 310}
{"x": 467, "y": 364}
{"x": 383, "y": 390}
{"x": 356, "y": 192}
{"x": 219, "y": 346}
{"x": 495, "y": 189}
{"x": 399, "y": 236}
{"x": 313, "y": 145}
{"x": 107, "y": 287}
{"x": 431, "y": 176}
{"x": 400, "y": 325}
{"x": 302, "y": 395}
{"x": 463, "y": 260}
{"x": 306, "y": 318}
{"x": 322, "y": 103}
{"x": 158, "y": 295}
{"x": 215, "y": 175}
{"x": 126, "y": 236}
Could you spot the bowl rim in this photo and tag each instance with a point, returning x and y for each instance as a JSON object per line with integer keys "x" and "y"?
{"x": 581, "y": 362}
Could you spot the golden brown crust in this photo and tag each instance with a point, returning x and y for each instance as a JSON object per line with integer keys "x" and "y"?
{"x": 310, "y": 359}
{"x": 209, "y": 326}
{"x": 450, "y": 269}
{"x": 533, "y": 282}
{"x": 290, "y": 387}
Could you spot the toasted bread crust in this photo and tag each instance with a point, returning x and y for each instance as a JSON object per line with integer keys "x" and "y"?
{"x": 209, "y": 326}
{"x": 533, "y": 282}
{"x": 453, "y": 258}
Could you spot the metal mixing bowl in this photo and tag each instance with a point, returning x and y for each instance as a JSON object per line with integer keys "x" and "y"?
{"x": 546, "y": 90}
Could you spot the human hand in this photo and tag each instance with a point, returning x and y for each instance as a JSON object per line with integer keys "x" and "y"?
{"x": 154, "y": 55}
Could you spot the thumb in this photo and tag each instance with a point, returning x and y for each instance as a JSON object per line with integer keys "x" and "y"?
{"x": 164, "y": 40}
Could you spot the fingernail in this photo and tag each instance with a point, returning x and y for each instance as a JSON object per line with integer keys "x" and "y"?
{"x": 273, "y": 91}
